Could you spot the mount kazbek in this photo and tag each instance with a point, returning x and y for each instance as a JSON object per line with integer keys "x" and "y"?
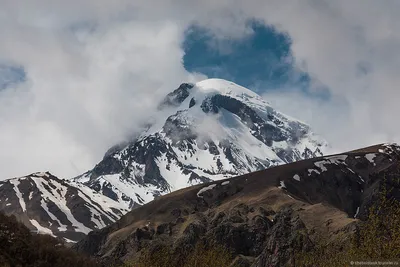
{"x": 211, "y": 130}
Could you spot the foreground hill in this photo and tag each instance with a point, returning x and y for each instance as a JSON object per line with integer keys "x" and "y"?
{"x": 263, "y": 218}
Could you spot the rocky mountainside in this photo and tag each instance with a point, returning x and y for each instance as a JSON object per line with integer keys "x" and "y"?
{"x": 202, "y": 132}
{"x": 261, "y": 216}
{"x": 206, "y": 131}
{"x": 48, "y": 205}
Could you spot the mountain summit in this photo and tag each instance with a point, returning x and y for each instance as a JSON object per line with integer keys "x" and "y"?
{"x": 207, "y": 131}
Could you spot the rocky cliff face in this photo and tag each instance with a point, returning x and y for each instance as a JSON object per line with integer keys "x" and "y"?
{"x": 207, "y": 131}
{"x": 262, "y": 217}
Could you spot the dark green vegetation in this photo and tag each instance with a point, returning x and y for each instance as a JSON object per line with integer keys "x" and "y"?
{"x": 18, "y": 247}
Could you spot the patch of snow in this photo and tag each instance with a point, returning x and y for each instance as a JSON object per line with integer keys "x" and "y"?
{"x": 61, "y": 228}
{"x": 225, "y": 183}
{"x": 40, "y": 228}
{"x": 296, "y": 177}
{"x": 310, "y": 171}
{"x": 351, "y": 170}
{"x": 204, "y": 189}
{"x": 358, "y": 210}
{"x": 15, "y": 182}
{"x": 282, "y": 185}
{"x": 172, "y": 173}
{"x": 83, "y": 178}
{"x": 320, "y": 165}
{"x": 281, "y": 144}
{"x": 338, "y": 159}
{"x": 370, "y": 157}
{"x": 8, "y": 204}
{"x": 41, "y": 174}
{"x": 129, "y": 188}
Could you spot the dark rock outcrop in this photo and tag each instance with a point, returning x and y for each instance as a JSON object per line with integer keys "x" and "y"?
{"x": 176, "y": 97}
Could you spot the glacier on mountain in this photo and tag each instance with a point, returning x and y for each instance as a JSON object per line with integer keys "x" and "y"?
{"x": 207, "y": 131}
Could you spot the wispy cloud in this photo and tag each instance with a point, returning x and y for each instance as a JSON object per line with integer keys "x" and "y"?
{"x": 95, "y": 68}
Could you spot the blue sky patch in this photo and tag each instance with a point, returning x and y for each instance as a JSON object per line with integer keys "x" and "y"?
{"x": 11, "y": 75}
{"x": 260, "y": 61}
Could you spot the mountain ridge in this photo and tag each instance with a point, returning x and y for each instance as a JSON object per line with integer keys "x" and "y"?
{"x": 207, "y": 131}
{"x": 210, "y": 130}
{"x": 57, "y": 207}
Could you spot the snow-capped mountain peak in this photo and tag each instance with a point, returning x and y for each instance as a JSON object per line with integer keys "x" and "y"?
{"x": 224, "y": 87}
{"x": 206, "y": 131}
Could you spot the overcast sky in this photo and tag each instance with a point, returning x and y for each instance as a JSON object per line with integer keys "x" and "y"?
{"x": 77, "y": 76}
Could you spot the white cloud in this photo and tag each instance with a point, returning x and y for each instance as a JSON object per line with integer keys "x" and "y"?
{"x": 351, "y": 47}
{"x": 85, "y": 91}
{"x": 96, "y": 68}
{"x": 335, "y": 120}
